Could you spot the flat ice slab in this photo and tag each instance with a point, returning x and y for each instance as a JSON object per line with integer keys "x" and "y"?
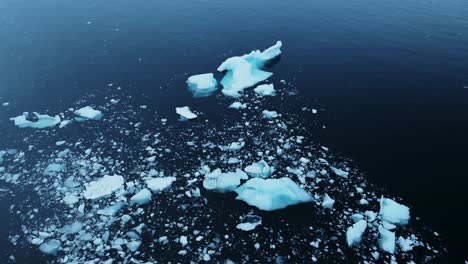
{"x": 249, "y": 222}
{"x": 269, "y": 114}
{"x": 265, "y": 90}
{"x": 159, "y": 184}
{"x": 185, "y": 112}
{"x": 202, "y": 85}
{"x": 394, "y": 212}
{"x": 355, "y": 232}
{"x": 88, "y": 113}
{"x": 142, "y": 197}
{"x": 272, "y": 194}
{"x": 223, "y": 182}
{"x": 245, "y": 71}
{"x": 259, "y": 169}
{"x": 42, "y": 121}
{"x": 103, "y": 187}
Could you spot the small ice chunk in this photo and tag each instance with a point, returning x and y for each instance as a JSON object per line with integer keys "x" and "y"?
{"x": 53, "y": 169}
{"x": 70, "y": 199}
{"x": 159, "y": 184}
{"x": 387, "y": 240}
{"x": 328, "y": 202}
{"x": 340, "y": 172}
{"x": 259, "y": 169}
{"x": 103, "y": 187}
{"x": 185, "y": 113}
{"x": 394, "y": 212}
{"x": 88, "y": 113}
{"x": 202, "y": 85}
{"x": 111, "y": 210}
{"x": 245, "y": 71}
{"x": 406, "y": 244}
{"x": 223, "y": 182}
{"x": 238, "y": 105}
{"x": 183, "y": 240}
{"x": 142, "y": 197}
{"x": 64, "y": 123}
{"x": 355, "y": 232}
{"x": 269, "y": 114}
{"x": 265, "y": 90}
{"x": 133, "y": 245}
{"x": 50, "y": 247}
{"x": 272, "y": 194}
{"x": 249, "y": 222}
{"x": 35, "y": 120}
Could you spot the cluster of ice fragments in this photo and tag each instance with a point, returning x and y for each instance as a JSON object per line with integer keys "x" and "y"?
{"x": 251, "y": 187}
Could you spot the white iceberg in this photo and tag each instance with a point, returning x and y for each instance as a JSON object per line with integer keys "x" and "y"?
{"x": 245, "y": 71}
{"x": 88, "y": 113}
{"x": 355, "y": 232}
{"x": 142, "y": 197}
{"x": 40, "y": 121}
{"x": 269, "y": 114}
{"x": 265, "y": 90}
{"x": 394, "y": 212}
{"x": 272, "y": 194}
{"x": 223, "y": 182}
{"x": 259, "y": 169}
{"x": 103, "y": 187}
{"x": 159, "y": 184}
{"x": 387, "y": 240}
{"x": 185, "y": 113}
{"x": 202, "y": 85}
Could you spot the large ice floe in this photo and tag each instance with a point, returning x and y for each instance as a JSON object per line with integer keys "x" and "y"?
{"x": 246, "y": 71}
{"x": 141, "y": 187}
{"x": 202, "y": 85}
{"x": 35, "y": 120}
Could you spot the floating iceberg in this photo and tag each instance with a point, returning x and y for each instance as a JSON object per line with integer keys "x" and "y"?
{"x": 88, "y": 113}
{"x": 269, "y": 114}
{"x": 259, "y": 169}
{"x": 238, "y": 105}
{"x": 103, "y": 187}
{"x": 387, "y": 240}
{"x": 265, "y": 90}
{"x": 394, "y": 212}
{"x": 355, "y": 232}
{"x": 272, "y": 194}
{"x": 202, "y": 85}
{"x": 223, "y": 182}
{"x": 50, "y": 247}
{"x": 185, "y": 113}
{"x": 142, "y": 197}
{"x": 249, "y": 222}
{"x": 159, "y": 184}
{"x": 39, "y": 121}
{"x": 328, "y": 202}
{"x": 245, "y": 71}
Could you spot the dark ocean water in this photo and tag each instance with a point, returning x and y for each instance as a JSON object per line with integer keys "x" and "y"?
{"x": 390, "y": 75}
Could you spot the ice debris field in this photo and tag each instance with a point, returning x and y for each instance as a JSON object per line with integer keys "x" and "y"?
{"x": 107, "y": 180}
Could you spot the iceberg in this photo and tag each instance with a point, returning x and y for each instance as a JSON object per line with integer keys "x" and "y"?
{"x": 355, "y": 232}
{"x": 142, "y": 197}
{"x": 272, "y": 194}
{"x": 88, "y": 113}
{"x": 38, "y": 120}
{"x": 202, "y": 85}
{"x": 245, "y": 71}
{"x": 159, "y": 184}
{"x": 265, "y": 90}
{"x": 185, "y": 113}
{"x": 103, "y": 187}
{"x": 394, "y": 212}
{"x": 223, "y": 182}
{"x": 269, "y": 114}
{"x": 259, "y": 169}
{"x": 387, "y": 240}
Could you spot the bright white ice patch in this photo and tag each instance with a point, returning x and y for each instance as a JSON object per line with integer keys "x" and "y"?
{"x": 88, "y": 113}
{"x": 245, "y": 71}
{"x": 249, "y": 222}
{"x": 202, "y": 85}
{"x": 42, "y": 121}
{"x": 142, "y": 197}
{"x": 223, "y": 182}
{"x": 355, "y": 232}
{"x": 387, "y": 240}
{"x": 103, "y": 187}
{"x": 394, "y": 212}
{"x": 238, "y": 105}
{"x": 159, "y": 184}
{"x": 269, "y": 114}
{"x": 259, "y": 169}
{"x": 265, "y": 90}
{"x": 185, "y": 112}
{"x": 272, "y": 194}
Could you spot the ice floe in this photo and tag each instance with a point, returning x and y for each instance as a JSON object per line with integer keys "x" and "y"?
{"x": 259, "y": 169}
{"x": 185, "y": 113}
{"x": 159, "y": 184}
{"x": 265, "y": 90}
{"x": 88, "y": 113}
{"x": 223, "y": 182}
{"x": 269, "y": 114}
{"x": 249, "y": 222}
{"x": 355, "y": 232}
{"x": 202, "y": 85}
{"x": 35, "y": 120}
{"x": 394, "y": 212}
{"x": 103, "y": 186}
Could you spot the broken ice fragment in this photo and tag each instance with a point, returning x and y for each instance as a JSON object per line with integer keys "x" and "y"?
{"x": 88, "y": 113}
{"x": 142, "y": 197}
{"x": 339, "y": 172}
{"x": 103, "y": 186}
{"x": 269, "y": 114}
{"x": 202, "y": 85}
{"x": 259, "y": 169}
{"x": 35, "y": 120}
{"x": 111, "y": 210}
{"x": 328, "y": 202}
{"x": 394, "y": 212}
{"x": 159, "y": 184}
{"x": 185, "y": 112}
{"x": 223, "y": 182}
{"x": 50, "y": 247}
{"x": 249, "y": 222}
{"x": 355, "y": 232}
{"x": 238, "y": 105}
{"x": 272, "y": 194}
{"x": 387, "y": 240}
{"x": 265, "y": 90}
{"x": 245, "y": 71}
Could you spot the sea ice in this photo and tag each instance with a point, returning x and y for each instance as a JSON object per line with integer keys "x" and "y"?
{"x": 202, "y": 85}
{"x": 265, "y": 90}
{"x": 355, "y": 232}
{"x": 259, "y": 169}
{"x": 387, "y": 240}
{"x": 40, "y": 121}
{"x": 159, "y": 184}
{"x": 238, "y": 105}
{"x": 185, "y": 113}
{"x": 269, "y": 114}
{"x": 328, "y": 202}
{"x": 223, "y": 182}
{"x": 88, "y": 113}
{"x": 103, "y": 187}
{"x": 272, "y": 194}
{"x": 50, "y": 247}
{"x": 245, "y": 71}
{"x": 340, "y": 172}
{"x": 249, "y": 222}
{"x": 394, "y": 212}
{"x": 142, "y": 197}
